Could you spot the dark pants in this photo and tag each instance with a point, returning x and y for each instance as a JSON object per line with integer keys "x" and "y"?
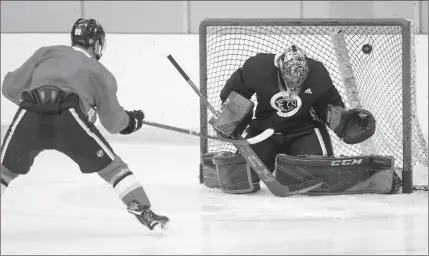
{"x": 315, "y": 142}
{"x": 65, "y": 129}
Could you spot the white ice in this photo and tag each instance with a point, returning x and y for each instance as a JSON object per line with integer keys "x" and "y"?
{"x": 57, "y": 210}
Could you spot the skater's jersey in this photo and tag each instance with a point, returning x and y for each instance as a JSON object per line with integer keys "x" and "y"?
{"x": 296, "y": 114}
{"x": 73, "y": 70}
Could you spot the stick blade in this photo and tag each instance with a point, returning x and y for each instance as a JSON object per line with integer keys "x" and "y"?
{"x": 261, "y": 137}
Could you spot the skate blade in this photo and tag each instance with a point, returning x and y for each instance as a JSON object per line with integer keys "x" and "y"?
{"x": 158, "y": 229}
{"x": 161, "y": 228}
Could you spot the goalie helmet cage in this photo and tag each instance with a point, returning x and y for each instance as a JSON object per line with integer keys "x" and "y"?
{"x": 380, "y": 53}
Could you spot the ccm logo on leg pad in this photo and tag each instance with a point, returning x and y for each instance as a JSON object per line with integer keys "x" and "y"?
{"x": 346, "y": 162}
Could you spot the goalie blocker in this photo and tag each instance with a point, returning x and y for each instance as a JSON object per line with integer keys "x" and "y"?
{"x": 341, "y": 175}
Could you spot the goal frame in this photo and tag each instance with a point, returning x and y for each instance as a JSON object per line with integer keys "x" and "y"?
{"x": 406, "y": 27}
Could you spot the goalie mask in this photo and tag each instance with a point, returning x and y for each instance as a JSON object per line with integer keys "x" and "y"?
{"x": 293, "y": 66}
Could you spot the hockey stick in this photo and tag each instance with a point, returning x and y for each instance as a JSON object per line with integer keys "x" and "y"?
{"x": 251, "y": 158}
{"x": 263, "y": 136}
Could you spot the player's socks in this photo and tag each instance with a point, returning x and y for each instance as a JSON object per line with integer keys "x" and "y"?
{"x": 146, "y": 216}
{"x": 131, "y": 192}
{"x": 126, "y": 185}
{"x": 129, "y": 189}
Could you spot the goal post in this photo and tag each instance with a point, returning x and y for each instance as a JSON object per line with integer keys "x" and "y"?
{"x": 348, "y": 79}
{"x": 373, "y": 58}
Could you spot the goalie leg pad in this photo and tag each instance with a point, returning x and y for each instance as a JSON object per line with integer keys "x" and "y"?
{"x": 234, "y": 174}
{"x": 341, "y": 175}
{"x": 381, "y": 180}
{"x": 210, "y": 177}
{"x": 234, "y": 115}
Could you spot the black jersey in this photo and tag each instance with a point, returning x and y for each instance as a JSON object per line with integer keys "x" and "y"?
{"x": 275, "y": 109}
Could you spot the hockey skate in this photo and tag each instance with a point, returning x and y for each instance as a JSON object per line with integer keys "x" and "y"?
{"x": 146, "y": 216}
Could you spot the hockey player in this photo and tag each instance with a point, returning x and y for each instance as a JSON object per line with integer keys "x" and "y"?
{"x": 59, "y": 91}
{"x": 296, "y": 97}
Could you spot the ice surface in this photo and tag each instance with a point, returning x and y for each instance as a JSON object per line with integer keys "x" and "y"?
{"x": 57, "y": 210}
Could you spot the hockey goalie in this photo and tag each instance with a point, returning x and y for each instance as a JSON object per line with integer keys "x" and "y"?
{"x": 297, "y": 98}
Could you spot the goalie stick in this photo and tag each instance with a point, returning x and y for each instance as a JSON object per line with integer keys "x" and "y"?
{"x": 263, "y": 136}
{"x": 251, "y": 158}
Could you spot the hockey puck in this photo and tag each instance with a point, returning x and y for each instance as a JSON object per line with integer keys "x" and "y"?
{"x": 367, "y": 48}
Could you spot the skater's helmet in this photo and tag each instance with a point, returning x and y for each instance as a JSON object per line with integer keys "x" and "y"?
{"x": 89, "y": 33}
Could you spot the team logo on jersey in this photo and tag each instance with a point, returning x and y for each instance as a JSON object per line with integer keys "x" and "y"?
{"x": 100, "y": 153}
{"x": 286, "y": 104}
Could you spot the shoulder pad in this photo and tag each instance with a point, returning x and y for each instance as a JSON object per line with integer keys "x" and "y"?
{"x": 260, "y": 60}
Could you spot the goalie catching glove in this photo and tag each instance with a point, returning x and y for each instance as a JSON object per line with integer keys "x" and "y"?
{"x": 352, "y": 126}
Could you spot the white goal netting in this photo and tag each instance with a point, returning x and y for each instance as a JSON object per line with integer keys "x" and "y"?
{"x": 380, "y": 75}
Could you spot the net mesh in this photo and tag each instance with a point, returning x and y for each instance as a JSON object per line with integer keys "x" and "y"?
{"x": 378, "y": 75}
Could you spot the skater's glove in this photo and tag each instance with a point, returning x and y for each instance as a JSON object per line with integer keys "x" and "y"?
{"x": 352, "y": 126}
{"x": 135, "y": 121}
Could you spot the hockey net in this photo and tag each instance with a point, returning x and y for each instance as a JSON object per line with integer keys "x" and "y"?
{"x": 381, "y": 76}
